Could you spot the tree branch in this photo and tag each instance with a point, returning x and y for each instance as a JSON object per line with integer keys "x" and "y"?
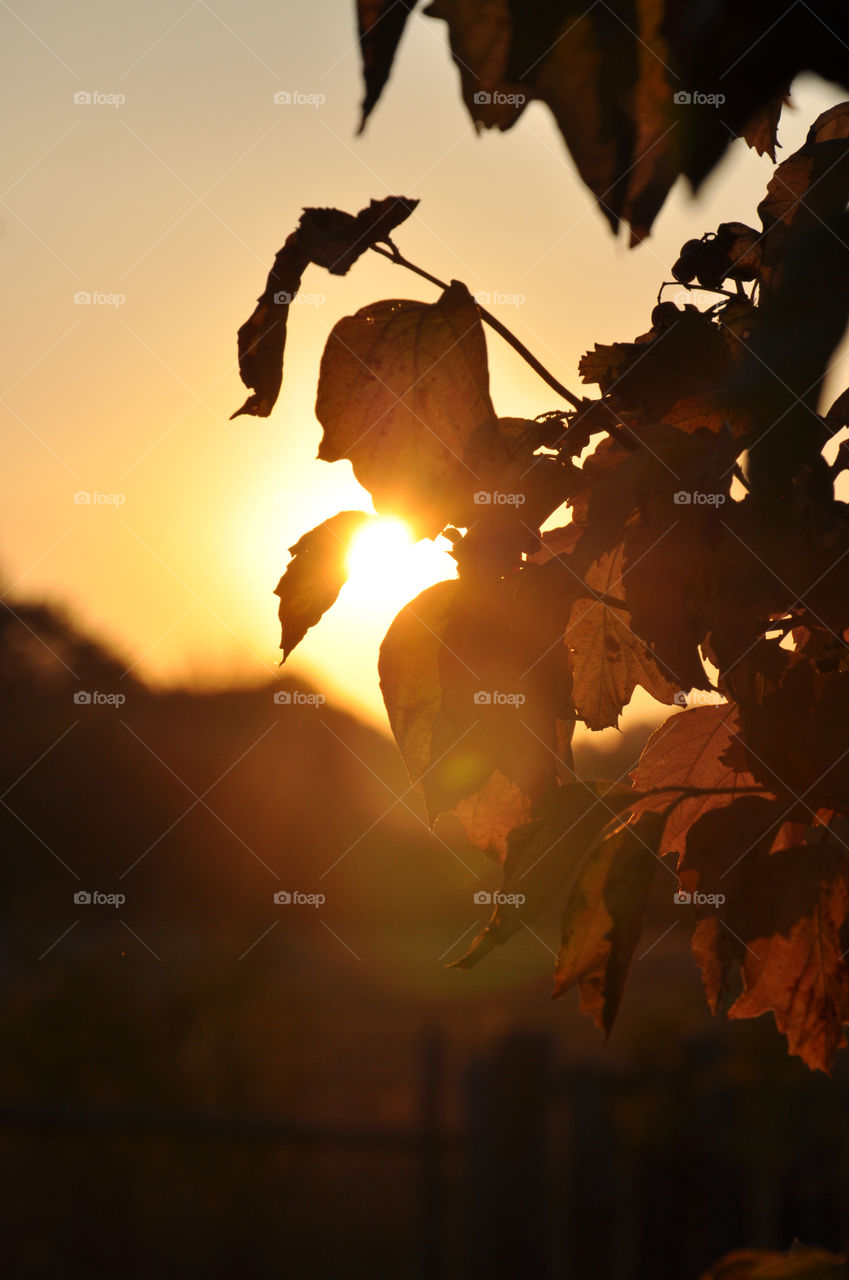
{"x": 394, "y": 255}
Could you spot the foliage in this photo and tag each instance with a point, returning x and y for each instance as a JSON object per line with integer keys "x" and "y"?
{"x": 700, "y": 547}
{"x": 798, "y": 1263}
{"x": 622, "y": 78}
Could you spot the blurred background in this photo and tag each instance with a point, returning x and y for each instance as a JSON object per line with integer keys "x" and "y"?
{"x": 195, "y": 1078}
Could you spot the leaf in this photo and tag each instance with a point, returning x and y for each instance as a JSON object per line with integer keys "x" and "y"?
{"x": 690, "y": 750}
{"x": 803, "y": 305}
{"x": 335, "y": 240}
{"x": 623, "y": 82}
{"x": 331, "y": 239}
{"x": 451, "y": 770}
{"x": 477, "y": 690}
{"x": 609, "y": 659}
{"x": 785, "y": 921}
{"x": 798, "y": 1263}
{"x": 687, "y": 359}
{"x": 838, "y": 414}
{"x": 812, "y": 761}
{"x": 316, "y": 575}
{"x": 761, "y": 132}
{"x": 645, "y": 483}
{"x": 722, "y": 847}
{"x": 602, "y": 921}
{"x": 380, "y": 24}
{"x": 409, "y": 674}
{"x": 808, "y": 187}
{"x": 544, "y": 857}
{"x": 403, "y": 393}
{"x": 662, "y": 502}
{"x": 262, "y": 338}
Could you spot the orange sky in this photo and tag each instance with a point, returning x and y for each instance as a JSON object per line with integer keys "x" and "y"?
{"x": 175, "y": 201}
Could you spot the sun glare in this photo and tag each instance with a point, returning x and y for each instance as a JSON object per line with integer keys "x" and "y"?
{"x": 387, "y": 568}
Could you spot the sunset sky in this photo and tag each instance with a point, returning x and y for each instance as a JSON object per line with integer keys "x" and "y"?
{"x": 175, "y": 200}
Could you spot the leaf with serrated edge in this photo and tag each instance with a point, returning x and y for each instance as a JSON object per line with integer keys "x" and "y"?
{"x": 687, "y": 751}
{"x": 610, "y": 660}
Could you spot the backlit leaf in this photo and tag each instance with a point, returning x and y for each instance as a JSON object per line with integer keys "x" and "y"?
{"x": 316, "y": 575}
{"x": 477, "y": 689}
{"x": 610, "y": 660}
{"x": 404, "y": 395}
{"x": 785, "y": 921}
{"x": 603, "y": 918}
{"x": 546, "y": 857}
{"x": 691, "y": 750}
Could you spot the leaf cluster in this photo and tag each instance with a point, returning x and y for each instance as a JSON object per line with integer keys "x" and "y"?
{"x": 698, "y": 551}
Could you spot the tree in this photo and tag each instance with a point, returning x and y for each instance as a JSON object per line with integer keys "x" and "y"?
{"x": 701, "y": 546}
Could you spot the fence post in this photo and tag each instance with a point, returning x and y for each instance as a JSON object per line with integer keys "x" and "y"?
{"x": 431, "y": 1251}
{"x": 508, "y": 1185}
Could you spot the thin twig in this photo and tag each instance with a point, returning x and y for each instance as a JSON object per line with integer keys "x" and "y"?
{"x": 395, "y": 255}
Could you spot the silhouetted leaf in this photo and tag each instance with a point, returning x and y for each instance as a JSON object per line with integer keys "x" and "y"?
{"x": 404, "y": 394}
{"x": 451, "y": 770}
{"x": 316, "y": 575}
{"x": 409, "y": 674}
{"x": 812, "y": 761}
{"x": 545, "y": 857}
{"x": 335, "y": 240}
{"x": 380, "y": 24}
{"x": 679, "y": 372}
{"x": 478, "y": 695}
{"x": 329, "y": 238}
{"x": 603, "y": 918}
{"x": 806, "y": 188}
{"x": 725, "y": 851}
{"x": 640, "y": 92}
{"x": 785, "y": 921}
{"x": 262, "y": 338}
{"x": 761, "y": 132}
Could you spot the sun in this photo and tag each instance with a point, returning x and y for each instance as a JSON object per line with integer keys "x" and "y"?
{"x": 386, "y": 567}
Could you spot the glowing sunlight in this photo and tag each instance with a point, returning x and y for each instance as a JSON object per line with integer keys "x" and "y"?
{"x": 387, "y": 568}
